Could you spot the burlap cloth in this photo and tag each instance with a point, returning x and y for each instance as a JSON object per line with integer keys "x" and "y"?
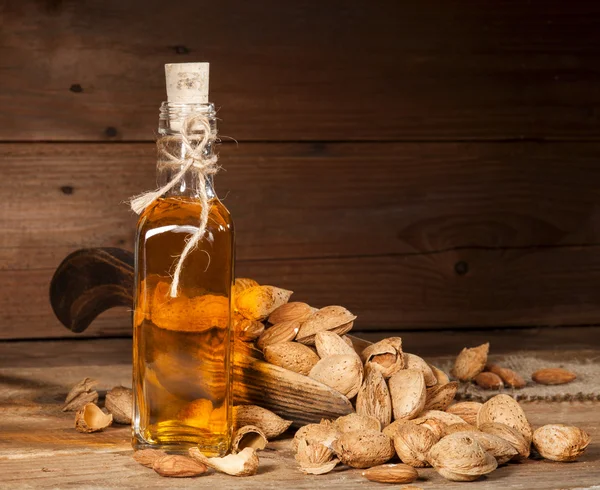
{"x": 585, "y": 387}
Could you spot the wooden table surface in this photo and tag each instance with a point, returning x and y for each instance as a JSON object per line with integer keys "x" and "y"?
{"x": 39, "y": 448}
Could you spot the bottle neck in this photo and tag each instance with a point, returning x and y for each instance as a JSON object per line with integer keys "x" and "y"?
{"x": 170, "y": 124}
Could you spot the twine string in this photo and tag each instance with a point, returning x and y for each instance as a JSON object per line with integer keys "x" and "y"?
{"x": 195, "y": 135}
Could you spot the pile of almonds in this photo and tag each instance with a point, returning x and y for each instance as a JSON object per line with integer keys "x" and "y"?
{"x": 405, "y": 408}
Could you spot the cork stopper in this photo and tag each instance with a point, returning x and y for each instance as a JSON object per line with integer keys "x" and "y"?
{"x": 187, "y": 83}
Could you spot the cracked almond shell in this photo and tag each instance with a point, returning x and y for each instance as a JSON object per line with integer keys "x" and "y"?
{"x": 248, "y": 436}
{"x": 244, "y": 463}
{"x": 315, "y": 459}
{"x": 374, "y": 398}
{"x": 445, "y": 417}
{"x": 324, "y": 433}
{"x": 386, "y": 356}
{"x": 90, "y": 418}
{"x": 270, "y": 423}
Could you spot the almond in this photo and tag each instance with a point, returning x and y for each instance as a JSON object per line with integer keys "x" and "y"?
{"x": 178, "y": 467}
{"x": 147, "y": 457}
{"x": 90, "y": 418}
{"x": 512, "y": 436}
{"x": 334, "y": 318}
{"x": 364, "y": 448}
{"x": 466, "y": 410}
{"x": 505, "y": 410}
{"x": 294, "y": 310}
{"x": 385, "y": 356}
{"x": 258, "y": 302}
{"x": 373, "y": 397}
{"x": 354, "y": 422}
{"x": 281, "y": 332}
{"x": 553, "y": 376}
{"x": 412, "y": 443}
{"x": 331, "y": 344}
{"x": 459, "y": 457}
{"x": 271, "y": 424}
{"x": 415, "y": 362}
{"x": 488, "y": 381}
{"x": 343, "y": 373}
{"x": 446, "y": 418}
{"x": 470, "y": 362}
{"x": 247, "y": 330}
{"x": 408, "y": 392}
{"x": 460, "y": 427}
{"x": 119, "y": 403}
{"x": 509, "y": 377}
{"x": 559, "y": 442}
{"x": 291, "y": 355}
{"x": 441, "y": 377}
{"x": 391, "y": 473}
{"x": 439, "y": 397}
{"x": 248, "y": 436}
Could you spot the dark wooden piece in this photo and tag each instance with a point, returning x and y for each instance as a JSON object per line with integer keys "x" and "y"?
{"x": 337, "y": 70}
{"x": 89, "y": 282}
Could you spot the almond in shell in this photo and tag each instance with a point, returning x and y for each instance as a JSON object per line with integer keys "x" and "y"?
{"x": 466, "y": 410}
{"x": 258, "y": 302}
{"x": 343, "y": 373}
{"x": 294, "y": 310}
{"x": 439, "y": 397}
{"x": 512, "y": 436}
{"x": 373, "y": 398}
{"x": 500, "y": 448}
{"x": 119, "y": 402}
{"x": 408, "y": 392}
{"x": 412, "y": 443}
{"x": 385, "y": 356}
{"x": 391, "y": 473}
{"x": 459, "y": 457}
{"x": 505, "y": 410}
{"x": 281, "y": 332}
{"x": 470, "y": 362}
{"x": 291, "y": 355}
{"x": 412, "y": 361}
{"x": 334, "y": 318}
{"x": 441, "y": 377}
{"x": 444, "y": 417}
{"x": 355, "y": 422}
{"x": 364, "y": 448}
{"x": 324, "y": 433}
{"x": 437, "y": 427}
{"x": 331, "y": 344}
{"x": 558, "y": 442}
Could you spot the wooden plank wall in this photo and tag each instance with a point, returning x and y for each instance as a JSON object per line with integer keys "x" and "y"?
{"x": 426, "y": 164}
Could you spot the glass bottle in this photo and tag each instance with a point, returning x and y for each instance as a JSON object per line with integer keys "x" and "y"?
{"x": 182, "y": 386}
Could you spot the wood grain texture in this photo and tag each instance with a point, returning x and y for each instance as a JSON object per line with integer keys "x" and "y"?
{"x": 40, "y": 449}
{"x": 427, "y": 235}
{"x": 304, "y": 71}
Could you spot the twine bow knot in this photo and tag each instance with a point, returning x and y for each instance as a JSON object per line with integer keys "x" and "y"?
{"x": 195, "y": 136}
